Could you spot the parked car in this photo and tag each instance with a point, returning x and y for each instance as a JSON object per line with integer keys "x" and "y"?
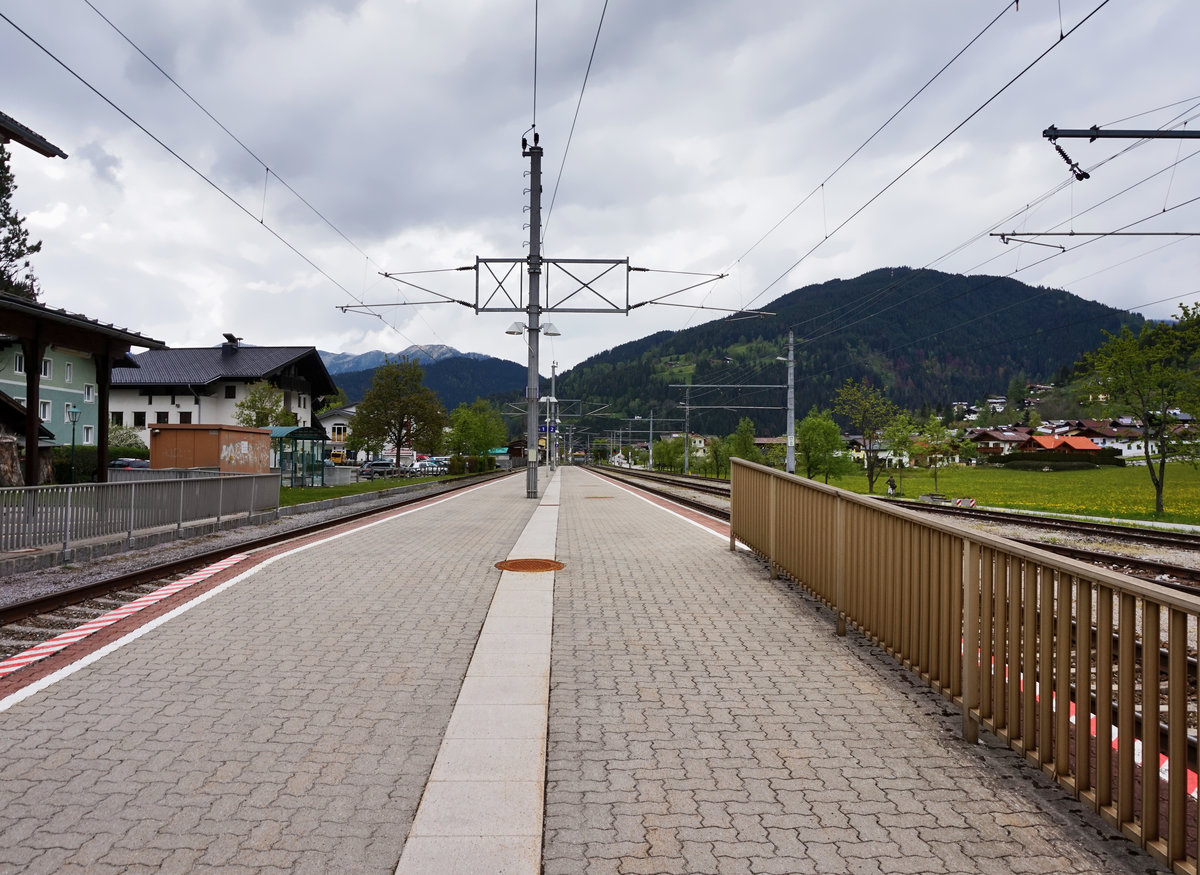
{"x": 427, "y": 468}
{"x": 378, "y": 468}
{"x": 129, "y": 463}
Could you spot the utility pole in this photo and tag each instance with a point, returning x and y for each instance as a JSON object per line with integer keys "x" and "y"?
{"x": 533, "y": 311}
{"x": 650, "y": 444}
{"x": 552, "y": 419}
{"x": 791, "y": 405}
{"x": 687, "y": 429}
{"x": 498, "y": 289}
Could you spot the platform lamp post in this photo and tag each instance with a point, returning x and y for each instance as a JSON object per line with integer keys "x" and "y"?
{"x": 73, "y": 415}
{"x": 531, "y": 392}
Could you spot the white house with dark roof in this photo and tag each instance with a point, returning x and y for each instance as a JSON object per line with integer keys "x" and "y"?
{"x": 204, "y": 385}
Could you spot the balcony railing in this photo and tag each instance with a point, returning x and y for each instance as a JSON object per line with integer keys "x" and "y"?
{"x": 1089, "y": 673}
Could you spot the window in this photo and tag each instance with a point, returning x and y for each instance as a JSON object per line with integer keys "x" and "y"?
{"x": 185, "y": 417}
{"x": 117, "y": 417}
{"x": 338, "y": 432}
{"x": 89, "y": 391}
{"x": 162, "y": 417}
{"x": 89, "y": 434}
{"x": 139, "y": 419}
{"x": 19, "y": 363}
{"x": 47, "y": 368}
{"x": 44, "y": 411}
{"x": 67, "y": 412}
{"x": 231, "y": 391}
{"x": 67, "y": 375}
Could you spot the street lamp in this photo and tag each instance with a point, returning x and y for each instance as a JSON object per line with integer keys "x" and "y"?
{"x": 73, "y": 415}
{"x": 531, "y": 392}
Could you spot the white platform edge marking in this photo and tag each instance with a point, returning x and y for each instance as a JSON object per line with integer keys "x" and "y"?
{"x": 84, "y": 661}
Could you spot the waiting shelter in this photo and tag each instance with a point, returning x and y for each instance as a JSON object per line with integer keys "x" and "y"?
{"x": 298, "y": 451}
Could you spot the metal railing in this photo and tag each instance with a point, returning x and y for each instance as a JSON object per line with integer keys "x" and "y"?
{"x": 33, "y": 517}
{"x": 1045, "y": 652}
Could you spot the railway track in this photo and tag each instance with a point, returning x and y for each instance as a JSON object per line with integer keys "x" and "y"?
{"x": 26, "y": 623}
{"x": 1166, "y": 574}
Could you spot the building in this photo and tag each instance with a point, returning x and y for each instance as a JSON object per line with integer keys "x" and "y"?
{"x": 73, "y": 357}
{"x": 204, "y": 385}
{"x": 68, "y": 381}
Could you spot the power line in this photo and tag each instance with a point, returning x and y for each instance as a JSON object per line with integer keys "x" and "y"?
{"x": 571, "y": 134}
{"x": 928, "y": 152}
{"x": 878, "y": 130}
{"x": 258, "y": 219}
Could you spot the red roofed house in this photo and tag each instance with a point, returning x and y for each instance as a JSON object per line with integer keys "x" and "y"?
{"x": 1055, "y": 444}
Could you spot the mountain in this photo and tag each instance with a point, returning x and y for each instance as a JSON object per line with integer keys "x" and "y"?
{"x": 927, "y": 338}
{"x": 457, "y": 380}
{"x": 345, "y": 362}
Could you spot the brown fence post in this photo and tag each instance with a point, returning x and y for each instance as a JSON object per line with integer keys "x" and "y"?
{"x": 772, "y": 525}
{"x": 839, "y": 586}
{"x": 971, "y": 641}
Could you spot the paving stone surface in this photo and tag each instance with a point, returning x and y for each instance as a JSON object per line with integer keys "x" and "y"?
{"x": 288, "y": 724}
{"x": 706, "y": 719}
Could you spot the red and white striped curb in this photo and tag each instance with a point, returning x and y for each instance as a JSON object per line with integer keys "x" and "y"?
{"x": 59, "y": 642}
{"x": 1193, "y": 780}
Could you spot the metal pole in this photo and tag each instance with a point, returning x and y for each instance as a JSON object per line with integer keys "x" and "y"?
{"x": 687, "y": 429}
{"x": 650, "y": 444}
{"x": 552, "y": 421}
{"x": 533, "y": 312}
{"x": 791, "y": 405}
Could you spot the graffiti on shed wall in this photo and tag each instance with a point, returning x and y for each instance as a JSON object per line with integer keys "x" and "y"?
{"x": 245, "y": 455}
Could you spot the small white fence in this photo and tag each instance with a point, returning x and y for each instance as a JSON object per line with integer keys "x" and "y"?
{"x": 33, "y": 517}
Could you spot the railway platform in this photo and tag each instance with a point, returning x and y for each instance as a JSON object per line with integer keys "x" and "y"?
{"x": 384, "y": 698}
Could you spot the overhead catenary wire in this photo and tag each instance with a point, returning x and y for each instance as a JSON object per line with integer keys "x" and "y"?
{"x": 260, "y": 219}
{"x": 570, "y": 135}
{"x": 928, "y": 152}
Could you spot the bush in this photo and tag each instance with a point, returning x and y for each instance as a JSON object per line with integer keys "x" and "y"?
{"x": 85, "y": 464}
{"x": 1107, "y": 456}
{"x": 1048, "y": 464}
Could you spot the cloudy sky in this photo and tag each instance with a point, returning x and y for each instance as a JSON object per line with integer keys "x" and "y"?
{"x": 369, "y": 136}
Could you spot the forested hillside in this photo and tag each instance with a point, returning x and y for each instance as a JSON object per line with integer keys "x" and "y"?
{"x": 458, "y": 380}
{"x": 928, "y": 338}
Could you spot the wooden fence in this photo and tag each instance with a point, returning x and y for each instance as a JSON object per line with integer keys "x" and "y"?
{"x": 1043, "y": 651}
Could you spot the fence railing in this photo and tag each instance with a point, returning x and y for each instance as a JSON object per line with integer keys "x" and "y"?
{"x": 32, "y": 517}
{"x": 1089, "y": 673}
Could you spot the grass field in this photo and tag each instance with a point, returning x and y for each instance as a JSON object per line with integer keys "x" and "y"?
{"x": 293, "y": 495}
{"x": 1119, "y": 493}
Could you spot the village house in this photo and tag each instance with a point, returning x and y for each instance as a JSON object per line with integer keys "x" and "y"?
{"x": 204, "y": 385}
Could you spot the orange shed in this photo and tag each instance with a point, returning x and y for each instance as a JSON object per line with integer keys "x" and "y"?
{"x": 233, "y": 449}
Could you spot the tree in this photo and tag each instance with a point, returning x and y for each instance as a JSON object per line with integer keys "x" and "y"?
{"x": 819, "y": 445}
{"x": 668, "y": 454}
{"x": 263, "y": 407}
{"x": 1150, "y": 376}
{"x": 899, "y": 436}
{"x": 125, "y": 436}
{"x": 935, "y": 444}
{"x": 741, "y": 443}
{"x": 398, "y": 410}
{"x": 475, "y": 429}
{"x": 868, "y": 412}
{"x": 716, "y": 458}
{"x": 16, "y": 270}
{"x": 333, "y": 402}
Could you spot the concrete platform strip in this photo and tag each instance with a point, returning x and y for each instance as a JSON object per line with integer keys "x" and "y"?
{"x": 482, "y": 809}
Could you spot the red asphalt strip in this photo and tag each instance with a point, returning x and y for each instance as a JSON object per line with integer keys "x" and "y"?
{"x": 35, "y": 671}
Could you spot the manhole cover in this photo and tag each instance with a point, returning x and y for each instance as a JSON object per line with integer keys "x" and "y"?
{"x": 530, "y": 565}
